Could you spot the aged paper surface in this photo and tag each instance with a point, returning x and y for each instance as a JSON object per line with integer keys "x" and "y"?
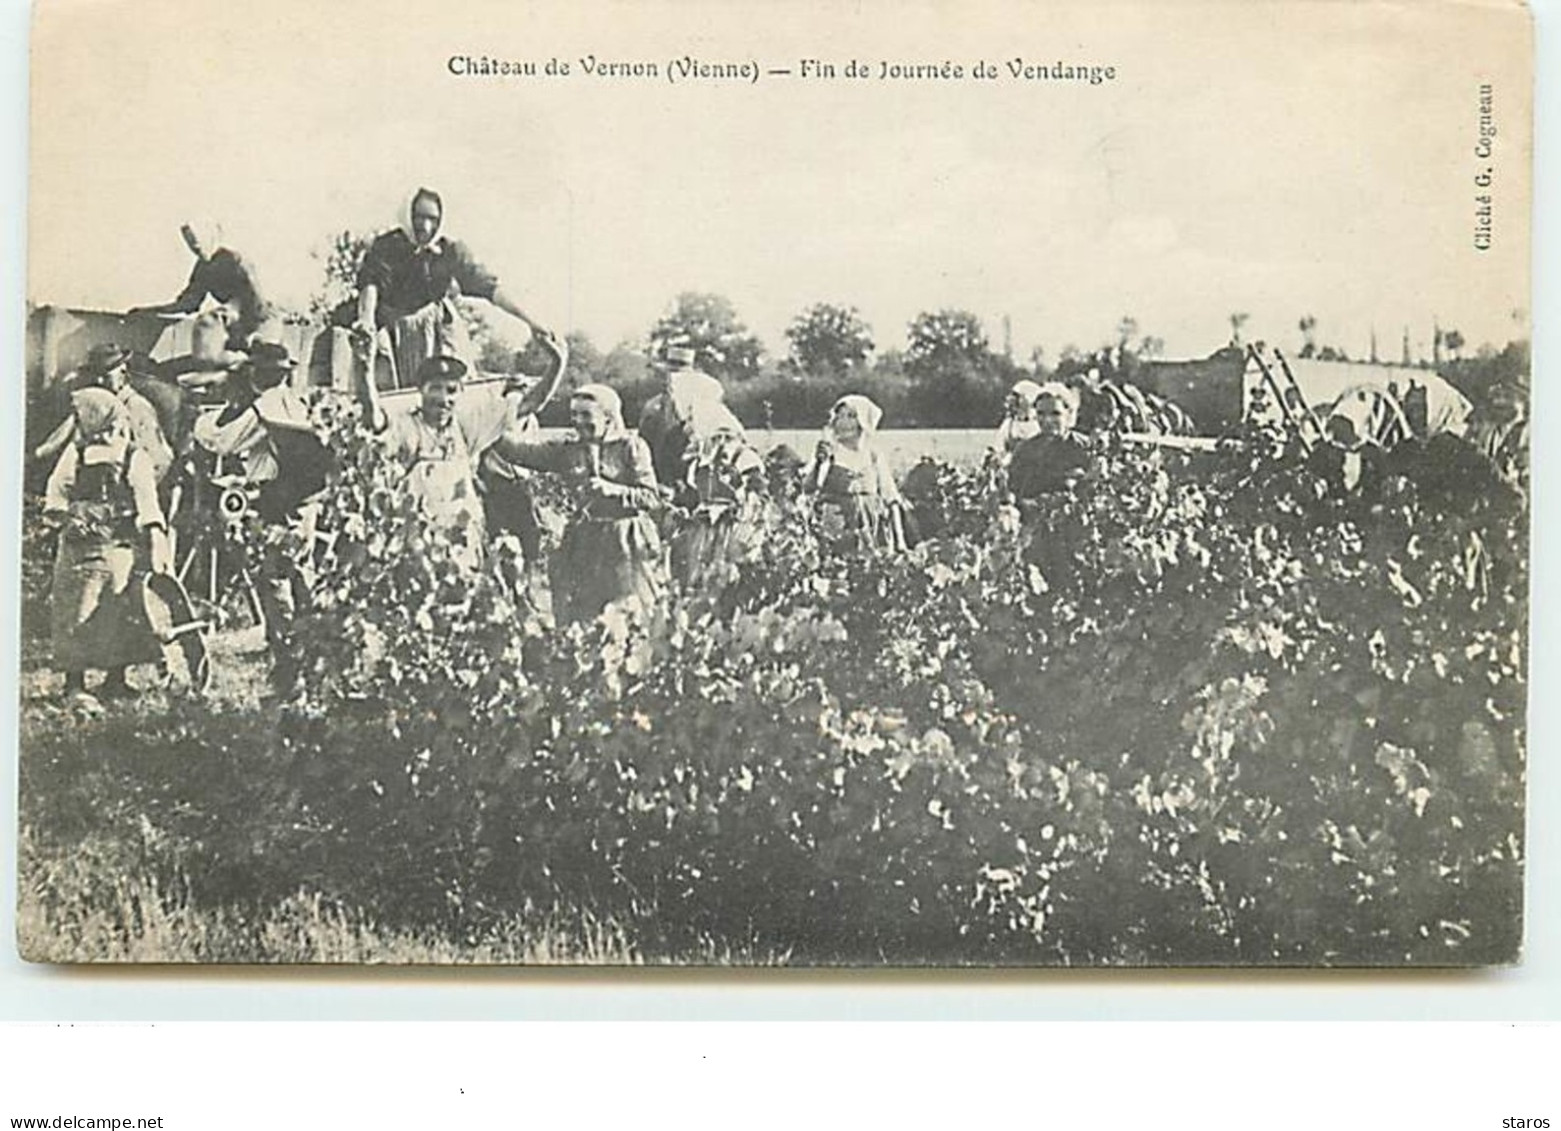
{"x": 1229, "y": 670}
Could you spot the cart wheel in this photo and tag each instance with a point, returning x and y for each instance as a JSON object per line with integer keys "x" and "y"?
{"x": 199, "y": 665}
{"x": 208, "y": 559}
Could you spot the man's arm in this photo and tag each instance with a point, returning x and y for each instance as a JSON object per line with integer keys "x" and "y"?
{"x": 142, "y": 478}
{"x": 55, "y": 442}
{"x": 282, "y": 409}
{"x": 534, "y": 399}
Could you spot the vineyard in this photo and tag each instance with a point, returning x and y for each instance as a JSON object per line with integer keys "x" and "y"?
{"x": 1208, "y": 708}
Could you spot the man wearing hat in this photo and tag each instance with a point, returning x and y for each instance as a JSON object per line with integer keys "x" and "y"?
{"x": 265, "y": 425}
{"x": 440, "y": 440}
{"x": 266, "y": 428}
{"x": 108, "y": 367}
{"x": 663, "y": 424}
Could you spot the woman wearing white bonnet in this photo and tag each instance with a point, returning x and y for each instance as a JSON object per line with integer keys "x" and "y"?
{"x": 103, "y": 493}
{"x": 241, "y": 313}
{"x": 1019, "y": 422}
{"x": 721, "y": 486}
{"x": 858, "y": 499}
{"x": 1055, "y": 458}
{"x": 611, "y": 552}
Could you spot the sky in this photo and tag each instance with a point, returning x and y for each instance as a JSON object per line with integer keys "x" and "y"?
{"x": 1276, "y": 160}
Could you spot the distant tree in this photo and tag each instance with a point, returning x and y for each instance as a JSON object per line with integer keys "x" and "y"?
{"x": 585, "y": 360}
{"x": 1127, "y": 330}
{"x": 340, "y": 260}
{"x": 1491, "y": 374}
{"x": 956, "y": 379}
{"x": 828, "y": 340}
{"x": 1151, "y": 347}
{"x": 1454, "y": 342}
{"x": 946, "y": 345}
{"x": 625, "y": 363}
{"x": 501, "y": 345}
{"x": 587, "y": 365}
{"x": 890, "y": 365}
{"x": 708, "y": 324}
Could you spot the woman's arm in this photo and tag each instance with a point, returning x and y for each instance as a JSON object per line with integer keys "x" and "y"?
{"x": 524, "y": 449}
{"x": 635, "y": 484}
{"x": 888, "y": 489}
{"x": 188, "y": 301}
{"x": 534, "y": 399}
{"x": 368, "y": 309}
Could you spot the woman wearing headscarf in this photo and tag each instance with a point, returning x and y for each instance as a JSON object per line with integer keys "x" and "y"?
{"x": 857, "y": 500}
{"x": 1019, "y": 422}
{"x": 1055, "y": 458}
{"x": 103, "y": 492}
{"x": 407, "y": 288}
{"x": 229, "y": 280}
{"x": 611, "y": 550}
{"x": 721, "y": 487}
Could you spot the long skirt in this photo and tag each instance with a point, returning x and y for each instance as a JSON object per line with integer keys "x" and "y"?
{"x": 435, "y": 330}
{"x": 855, "y": 524}
{"x": 604, "y": 561}
{"x": 96, "y": 611}
{"x": 707, "y": 552}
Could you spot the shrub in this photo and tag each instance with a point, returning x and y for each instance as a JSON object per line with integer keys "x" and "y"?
{"x": 1203, "y": 709}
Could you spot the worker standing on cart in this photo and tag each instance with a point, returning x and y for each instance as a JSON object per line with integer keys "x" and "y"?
{"x": 407, "y": 287}
{"x": 241, "y": 314}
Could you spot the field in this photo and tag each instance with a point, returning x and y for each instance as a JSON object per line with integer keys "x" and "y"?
{"x": 1200, "y": 711}
{"x": 903, "y": 447}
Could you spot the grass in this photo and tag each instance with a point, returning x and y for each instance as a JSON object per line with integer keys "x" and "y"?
{"x": 98, "y": 884}
{"x": 89, "y": 903}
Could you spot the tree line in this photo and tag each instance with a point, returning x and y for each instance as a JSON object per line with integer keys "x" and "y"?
{"x": 949, "y": 375}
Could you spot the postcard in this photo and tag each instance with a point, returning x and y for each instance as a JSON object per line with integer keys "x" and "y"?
{"x": 933, "y": 484}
